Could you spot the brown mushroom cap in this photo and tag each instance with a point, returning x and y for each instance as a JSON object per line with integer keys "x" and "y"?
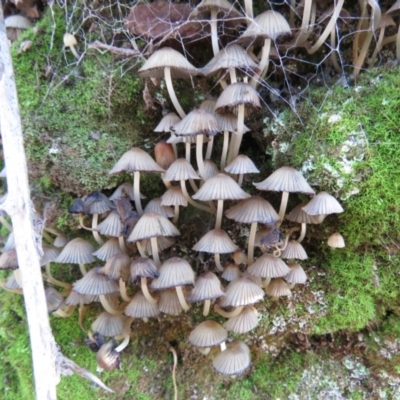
{"x": 208, "y": 334}
{"x": 174, "y": 272}
{"x": 215, "y": 241}
{"x": 285, "y": 179}
{"x": 268, "y": 266}
{"x": 139, "y": 307}
{"x": 107, "y": 358}
{"x": 323, "y": 203}
{"x": 109, "y": 325}
{"x": 77, "y": 251}
{"x": 294, "y": 250}
{"x": 234, "y": 360}
{"x": 206, "y": 287}
{"x": 244, "y": 322}
{"x": 278, "y": 288}
{"x": 241, "y": 292}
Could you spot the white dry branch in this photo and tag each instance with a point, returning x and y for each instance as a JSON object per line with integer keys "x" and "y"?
{"x": 48, "y": 362}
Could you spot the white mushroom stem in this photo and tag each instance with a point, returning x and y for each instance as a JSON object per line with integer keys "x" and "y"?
{"x": 81, "y": 224}
{"x": 191, "y": 201}
{"x": 176, "y": 216}
{"x": 237, "y": 141}
{"x": 252, "y": 238}
{"x": 222, "y": 346}
{"x": 136, "y": 192}
{"x": 224, "y": 150}
{"x": 206, "y": 307}
{"x": 67, "y": 312}
{"x": 74, "y": 52}
{"x": 5, "y": 223}
{"x": 204, "y": 350}
{"x": 188, "y": 159}
{"x": 240, "y": 180}
{"x": 171, "y": 92}
{"x": 302, "y": 233}
{"x": 232, "y": 75}
{"x": 96, "y": 234}
{"x": 214, "y": 32}
{"x": 107, "y": 306}
{"x": 46, "y": 236}
{"x": 166, "y": 183}
{"x": 55, "y": 281}
{"x": 282, "y": 209}
{"x": 122, "y": 290}
{"x": 2, "y": 285}
{"x": 124, "y": 343}
{"x": 266, "y": 282}
{"x": 121, "y": 241}
{"x": 199, "y": 156}
{"x": 154, "y": 251}
{"x": 145, "y": 291}
{"x": 82, "y": 311}
{"x": 141, "y": 250}
{"x": 218, "y": 262}
{"x": 263, "y": 66}
{"x": 210, "y": 146}
{"x": 220, "y": 209}
{"x": 248, "y": 6}
{"x": 83, "y": 269}
{"x": 181, "y": 298}
{"x": 228, "y": 314}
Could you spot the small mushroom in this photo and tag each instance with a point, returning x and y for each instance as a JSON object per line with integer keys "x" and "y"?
{"x": 70, "y": 41}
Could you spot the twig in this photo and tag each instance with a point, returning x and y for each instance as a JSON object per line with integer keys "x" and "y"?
{"x": 173, "y": 351}
{"x": 115, "y": 50}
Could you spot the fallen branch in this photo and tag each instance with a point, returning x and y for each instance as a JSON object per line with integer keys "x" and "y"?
{"x": 120, "y": 51}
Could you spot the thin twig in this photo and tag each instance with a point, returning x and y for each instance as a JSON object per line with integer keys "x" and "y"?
{"x": 173, "y": 351}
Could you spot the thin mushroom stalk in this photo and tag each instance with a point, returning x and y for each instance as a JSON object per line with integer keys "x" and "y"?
{"x": 302, "y": 233}
{"x": 220, "y": 209}
{"x": 176, "y": 216}
{"x": 218, "y": 264}
{"x": 191, "y": 201}
{"x": 206, "y": 307}
{"x": 3, "y": 286}
{"x": 82, "y": 269}
{"x": 122, "y": 290}
{"x": 81, "y": 312}
{"x": 96, "y": 234}
{"x": 171, "y": 92}
{"x": 5, "y": 223}
{"x": 108, "y": 307}
{"x": 224, "y": 150}
{"x": 252, "y": 238}
{"x": 145, "y": 291}
{"x": 136, "y": 192}
{"x": 237, "y": 141}
{"x": 263, "y": 63}
{"x": 154, "y": 251}
{"x": 126, "y": 335}
{"x": 199, "y": 156}
{"x": 64, "y": 313}
{"x": 181, "y": 298}
{"x": 228, "y": 314}
{"x": 282, "y": 208}
{"x": 210, "y": 146}
{"x": 56, "y": 282}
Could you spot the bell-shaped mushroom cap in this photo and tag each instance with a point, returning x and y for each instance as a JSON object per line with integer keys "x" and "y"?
{"x": 174, "y": 197}
{"x": 10, "y": 242}
{"x": 180, "y": 170}
{"x": 174, "y": 272}
{"x": 75, "y": 298}
{"x": 294, "y": 250}
{"x": 210, "y": 169}
{"x": 296, "y": 274}
{"x": 301, "y": 217}
{"x": 268, "y": 266}
{"x": 152, "y": 225}
{"x": 77, "y": 251}
{"x": 109, "y": 249}
{"x": 208, "y": 334}
{"x": 143, "y": 267}
{"x": 207, "y": 287}
{"x": 278, "y": 288}
{"x": 244, "y": 322}
{"x": 209, "y": 105}
{"x": 95, "y": 283}
{"x": 117, "y": 267}
{"x": 269, "y": 25}
{"x": 241, "y": 165}
{"x": 54, "y": 299}
{"x": 167, "y": 57}
{"x": 12, "y": 282}
{"x": 9, "y": 260}
{"x": 197, "y": 122}
{"x": 241, "y": 292}
{"x": 253, "y": 209}
{"x": 111, "y": 226}
{"x": 164, "y": 154}
{"x": 336, "y": 241}
{"x": 154, "y": 206}
{"x": 234, "y": 95}
{"x": 220, "y": 187}
{"x": 124, "y": 189}
{"x": 162, "y": 244}
{"x": 60, "y": 241}
{"x": 139, "y": 307}
{"x": 109, "y": 325}
{"x": 256, "y": 279}
{"x": 165, "y": 124}
{"x": 98, "y": 203}
{"x": 50, "y": 254}
{"x": 285, "y": 179}
{"x": 169, "y": 303}
{"x": 234, "y": 360}
{"x": 231, "y": 272}
{"x": 232, "y": 56}
{"x": 135, "y": 159}
{"x": 18, "y": 22}
{"x": 215, "y": 241}
{"x": 239, "y": 258}
{"x": 228, "y": 122}
{"x": 323, "y": 203}
{"x": 107, "y": 358}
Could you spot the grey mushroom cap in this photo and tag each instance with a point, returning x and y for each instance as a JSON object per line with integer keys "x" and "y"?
{"x": 167, "y": 57}
{"x": 143, "y": 267}
{"x": 75, "y": 298}
{"x": 206, "y": 287}
{"x": 169, "y": 303}
{"x": 12, "y": 282}
{"x": 18, "y": 22}
{"x": 231, "y": 272}
{"x": 174, "y": 272}
{"x": 77, "y": 251}
{"x": 180, "y": 170}
{"x": 134, "y": 160}
{"x": 241, "y": 292}
{"x": 174, "y": 197}
{"x": 220, "y": 187}
{"x": 197, "y": 122}
{"x": 236, "y": 94}
{"x": 167, "y": 122}
{"x": 162, "y": 244}
{"x": 210, "y": 169}
{"x": 155, "y": 206}
{"x": 208, "y": 334}
{"x": 109, "y": 249}
{"x": 253, "y": 209}
{"x": 323, "y": 203}
{"x": 10, "y": 242}
{"x": 9, "y": 260}
{"x": 98, "y": 203}
{"x": 117, "y": 267}
{"x": 268, "y": 266}
{"x": 111, "y": 226}
{"x": 296, "y": 274}
{"x": 228, "y": 122}
{"x": 139, "y": 307}
{"x": 301, "y": 217}
{"x": 285, "y": 179}
{"x": 215, "y": 241}
{"x": 125, "y": 188}
{"x": 152, "y": 225}
{"x": 244, "y": 322}
{"x": 109, "y": 325}
{"x": 234, "y": 360}
{"x": 50, "y": 254}
{"x": 294, "y": 250}
{"x": 54, "y": 299}
{"x": 242, "y": 165}
{"x": 95, "y": 283}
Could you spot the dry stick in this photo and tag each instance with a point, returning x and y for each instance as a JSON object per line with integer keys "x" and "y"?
{"x": 173, "y": 351}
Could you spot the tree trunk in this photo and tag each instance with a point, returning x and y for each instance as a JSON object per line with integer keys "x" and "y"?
{"x": 19, "y": 207}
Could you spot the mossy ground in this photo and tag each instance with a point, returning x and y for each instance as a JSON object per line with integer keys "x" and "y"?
{"x": 80, "y": 119}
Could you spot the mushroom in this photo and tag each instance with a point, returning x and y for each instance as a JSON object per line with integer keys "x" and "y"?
{"x": 70, "y": 41}
{"x": 169, "y": 302}
{"x": 234, "y": 360}
{"x": 336, "y": 241}
{"x": 296, "y": 275}
{"x": 174, "y": 197}
{"x": 155, "y": 206}
{"x": 107, "y": 357}
{"x": 140, "y": 308}
{"x": 50, "y": 254}
{"x": 231, "y": 272}
{"x": 165, "y": 124}
{"x": 244, "y": 322}
{"x": 323, "y": 203}
{"x": 208, "y": 334}
{"x": 241, "y": 165}
{"x": 144, "y": 268}
{"x": 294, "y": 251}
{"x": 112, "y": 226}
{"x": 109, "y": 249}
{"x": 15, "y": 24}
{"x": 278, "y": 288}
